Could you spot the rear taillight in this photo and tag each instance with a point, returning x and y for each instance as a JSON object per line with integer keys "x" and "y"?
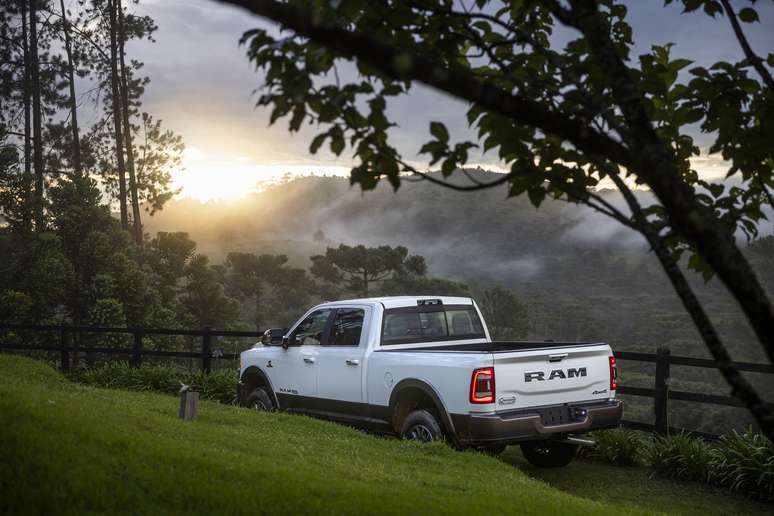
{"x": 482, "y": 386}
{"x": 613, "y": 374}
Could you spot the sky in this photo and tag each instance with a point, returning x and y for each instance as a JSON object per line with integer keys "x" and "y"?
{"x": 204, "y": 88}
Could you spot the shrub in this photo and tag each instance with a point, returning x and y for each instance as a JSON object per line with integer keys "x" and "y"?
{"x": 618, "y": 446}
{"x": 681, "y": 456}
{"x": 217, "y": 385}
{"x": 744, "y": 462}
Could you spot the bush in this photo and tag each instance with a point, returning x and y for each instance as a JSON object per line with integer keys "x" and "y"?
{"x": 217, "y": 385}
{"x": 619, "y": 446}
{"x": 681, "y": 456}
{"x": 744, "y": 462}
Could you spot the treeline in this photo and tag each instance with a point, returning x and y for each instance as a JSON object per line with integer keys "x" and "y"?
{"x": 57, "y": 64}
{"x": 65, "y": 258}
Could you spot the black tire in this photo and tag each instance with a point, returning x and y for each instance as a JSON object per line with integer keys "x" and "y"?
{"x": 549, "y": 454}
{"x": 259, "y": 400}
{"x": 421, "y": 426}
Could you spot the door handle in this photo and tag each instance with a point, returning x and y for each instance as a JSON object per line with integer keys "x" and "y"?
{"x": 309, "y": 360}
{"x": 557, "y": 358}
{"x": 353, "y": 362}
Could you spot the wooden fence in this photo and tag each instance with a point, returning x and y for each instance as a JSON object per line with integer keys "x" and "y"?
{"x": 660, "y": 392}
{"x": 65, "y": 344}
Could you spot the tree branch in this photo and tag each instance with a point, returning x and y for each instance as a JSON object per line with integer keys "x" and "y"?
{"x": 655, "y": 164}
{"x": 751, "y": 56}
{"x": 455, "y": 80}
{"x": 741, "y": 388}
{"x": 644, "y": 153}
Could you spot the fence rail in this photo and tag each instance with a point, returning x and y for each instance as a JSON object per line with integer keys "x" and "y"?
{"x": 137, "y": 351}
{"x": 660, "y": 392}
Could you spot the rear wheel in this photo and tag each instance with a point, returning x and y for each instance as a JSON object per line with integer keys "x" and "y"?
{"x": 259, "y": 400}
{"x": 549, "y": 454}
{"x": 422, "y": 426}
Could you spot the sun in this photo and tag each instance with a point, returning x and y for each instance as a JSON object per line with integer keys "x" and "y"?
{"x": 206, "y": 178}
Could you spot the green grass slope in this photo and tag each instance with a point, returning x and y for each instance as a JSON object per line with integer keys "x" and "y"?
{"x": 71, "y": 449}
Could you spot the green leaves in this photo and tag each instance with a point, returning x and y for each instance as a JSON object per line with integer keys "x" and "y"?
{"x": 748, "y": 15}
{"x": 337, "y": 140}
{"x": 440, "y": 132}
{"x": 317, "y": 142}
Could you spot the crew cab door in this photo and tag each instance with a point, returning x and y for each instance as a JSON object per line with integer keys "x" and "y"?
{"x": 294, "y": 372}
{"x": 341, "y": 364}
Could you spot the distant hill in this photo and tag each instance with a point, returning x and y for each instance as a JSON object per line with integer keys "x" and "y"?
{"x": 585, "y": 275}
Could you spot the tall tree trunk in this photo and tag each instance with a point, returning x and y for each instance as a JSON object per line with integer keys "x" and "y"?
{"x": 740, "y": 387}
{"x": 117, "y": 134}
{"x": 27, "y": 179}
{"x": 136, "y": 217}
{"x": 37, "y": 116}
{"x": 77, "y": 165}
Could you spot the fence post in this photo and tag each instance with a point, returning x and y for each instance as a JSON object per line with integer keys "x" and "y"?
{"x": 206, "y": 349}
{"x": 137, "y": 349}
{"x": 64, "y": 344}
{"x": 661, "y": 402}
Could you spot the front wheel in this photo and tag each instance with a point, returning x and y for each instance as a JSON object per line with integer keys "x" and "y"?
{"x": 259, "y": 400}
{"x": 421, "y": 426}
{"x": 549, "y": 454}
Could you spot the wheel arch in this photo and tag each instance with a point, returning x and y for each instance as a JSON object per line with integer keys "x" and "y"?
{"x": 412, "y": 389}
{"x": 254, "y": 377}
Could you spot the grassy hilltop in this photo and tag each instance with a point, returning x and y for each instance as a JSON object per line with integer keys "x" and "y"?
{"x": 70, "y": 449}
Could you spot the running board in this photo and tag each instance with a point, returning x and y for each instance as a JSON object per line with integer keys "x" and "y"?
{"x": 574, "y": 439}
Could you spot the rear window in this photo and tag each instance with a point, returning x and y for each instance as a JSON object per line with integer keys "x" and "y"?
{"x": 430, "y": 324}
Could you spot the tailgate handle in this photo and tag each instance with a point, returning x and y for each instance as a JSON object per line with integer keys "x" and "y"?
{"x": 557, "y": 358}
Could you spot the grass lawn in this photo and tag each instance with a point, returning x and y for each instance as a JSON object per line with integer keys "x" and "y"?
{"x": 71, "y": 449}
{"x": 635, "y": 488}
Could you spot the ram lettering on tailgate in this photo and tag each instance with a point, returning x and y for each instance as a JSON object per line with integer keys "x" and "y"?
{"x": 556, "y": 374}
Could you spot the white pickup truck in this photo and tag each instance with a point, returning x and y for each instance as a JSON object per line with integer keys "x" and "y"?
{"x": 425, "y": 368}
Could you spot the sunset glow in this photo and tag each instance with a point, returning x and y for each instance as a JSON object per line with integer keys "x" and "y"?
{"x": 206, "y": 178}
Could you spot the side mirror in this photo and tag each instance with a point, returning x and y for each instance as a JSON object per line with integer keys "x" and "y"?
{"x": 285, "y": 342}
{"x": 273, "y": 336}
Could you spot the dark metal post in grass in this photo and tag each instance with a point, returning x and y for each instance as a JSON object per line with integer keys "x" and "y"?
{"x": 206, "y": 349}
{"x": 64, "y": 343}
{"x": 137, "y": 349}
{"x": 661, "y": 402}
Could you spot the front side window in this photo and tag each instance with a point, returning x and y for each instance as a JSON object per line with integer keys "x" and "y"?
{"x": 410, "y": 325}
{"x": 310, "y": 331}
{"x": 347, "y": 327}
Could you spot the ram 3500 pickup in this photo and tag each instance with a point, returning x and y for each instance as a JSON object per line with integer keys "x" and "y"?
{"x": 425, "y": 368}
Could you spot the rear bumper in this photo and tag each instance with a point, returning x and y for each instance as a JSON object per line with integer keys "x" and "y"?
{"x": 528, "y": 424}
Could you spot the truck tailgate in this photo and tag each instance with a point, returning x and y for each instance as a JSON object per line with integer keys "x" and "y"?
{"x": 552, "y": 376}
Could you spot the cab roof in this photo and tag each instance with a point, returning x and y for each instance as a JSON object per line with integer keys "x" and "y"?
{"x": 401, "y": 301}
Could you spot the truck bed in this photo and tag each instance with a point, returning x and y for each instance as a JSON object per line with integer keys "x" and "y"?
{"x": 499, "y": 346}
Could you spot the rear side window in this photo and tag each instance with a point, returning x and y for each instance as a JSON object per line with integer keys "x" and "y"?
{"x": 464, "y": 322}
{"x": 413, "y": 324}
{"x": 347, "y": 327}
